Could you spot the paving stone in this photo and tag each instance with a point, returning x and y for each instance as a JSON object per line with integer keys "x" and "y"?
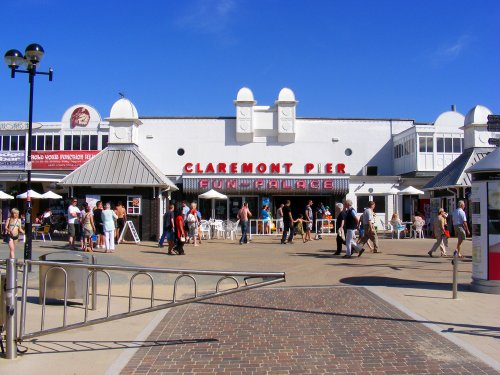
{"x": 299, "y": 331}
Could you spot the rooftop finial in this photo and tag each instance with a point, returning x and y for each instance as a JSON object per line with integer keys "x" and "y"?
{"x": 122, "y": 95}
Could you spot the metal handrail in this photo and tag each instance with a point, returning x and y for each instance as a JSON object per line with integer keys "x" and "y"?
{"x": 94, "y": 292}
{"x": 45, "y": 294}
{"x": 268, "y": 278}
{"x": 131, "y": 286}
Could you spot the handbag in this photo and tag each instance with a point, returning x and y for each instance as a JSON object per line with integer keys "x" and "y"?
{"x": 182, "y": 239}
{"x": 446, "y": 233}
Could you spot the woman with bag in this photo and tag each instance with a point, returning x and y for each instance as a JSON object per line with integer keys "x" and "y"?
{"x": 181, "y": 234}
{"x": 13, "y": 227}
{"x": 440, "y": 233}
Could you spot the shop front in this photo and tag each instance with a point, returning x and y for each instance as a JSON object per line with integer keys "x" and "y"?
{"x": 265, "y": 190}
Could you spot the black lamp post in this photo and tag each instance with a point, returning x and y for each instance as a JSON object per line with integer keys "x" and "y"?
{"x": 15, "y": 60}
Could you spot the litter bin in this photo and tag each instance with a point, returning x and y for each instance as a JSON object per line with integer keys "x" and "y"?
{"x": 76, "y": 277}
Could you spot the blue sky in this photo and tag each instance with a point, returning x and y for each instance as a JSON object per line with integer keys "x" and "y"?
{"x": 361, "y": 59}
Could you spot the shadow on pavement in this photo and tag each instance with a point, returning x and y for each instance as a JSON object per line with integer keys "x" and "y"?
{"x": 399, "y": 283}
{"x": 36, "y": 346}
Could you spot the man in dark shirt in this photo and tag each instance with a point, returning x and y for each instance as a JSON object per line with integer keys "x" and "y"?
{"x": 287, "y": 223}
{"x": 168, "y": 229}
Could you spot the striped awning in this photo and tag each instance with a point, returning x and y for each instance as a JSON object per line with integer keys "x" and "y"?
{"x": 283, "y": 185}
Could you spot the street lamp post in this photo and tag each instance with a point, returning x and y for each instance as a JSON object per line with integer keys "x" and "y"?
{"x": 15, "y": 60}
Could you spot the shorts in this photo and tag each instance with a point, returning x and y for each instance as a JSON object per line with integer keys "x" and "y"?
{"x": 72, "y": 229}
{"x": 309, "y": 226}
{"x": 170, "y": 236}
{"x": 460, "y": 232}
{"x": 120, "y": 223}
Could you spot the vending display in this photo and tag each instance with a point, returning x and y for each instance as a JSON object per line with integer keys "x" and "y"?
{"x": 494, "y": 230}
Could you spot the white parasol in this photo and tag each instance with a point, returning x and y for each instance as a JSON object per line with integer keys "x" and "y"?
{"x": 213, "y": 195}
{"x": 51, "y": 195}
{"x": 33, "y": 194}
{"x": 410, "y": 190}
{"x": 4, "y": 196}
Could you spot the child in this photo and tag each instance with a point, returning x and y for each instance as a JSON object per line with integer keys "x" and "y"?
{"x": 299, "y": 226}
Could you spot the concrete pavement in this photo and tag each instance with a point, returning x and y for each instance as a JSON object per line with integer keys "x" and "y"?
{"x": 403, "y": 275}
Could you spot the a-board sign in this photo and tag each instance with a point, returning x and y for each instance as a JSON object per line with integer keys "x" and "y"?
{"x": 129, "y": 225}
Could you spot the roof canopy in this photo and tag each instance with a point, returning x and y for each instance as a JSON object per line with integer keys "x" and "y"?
{"x": 118, "y": 166}
{"x": 212, "y": 194}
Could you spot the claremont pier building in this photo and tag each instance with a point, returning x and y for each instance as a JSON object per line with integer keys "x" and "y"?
{"x": 262, "y": 155}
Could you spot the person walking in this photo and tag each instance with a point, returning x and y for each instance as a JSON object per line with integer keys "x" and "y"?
{"x": 350, "y": 224}
{"x": 73, "y": 222}
{"x": 287, "y": 223}
{"x": 440, "y": 234}
{"x": 13, "y": 226}
{"x": 108, "y": 221}
{"x": 180, "y": 232}
{"x": 369, "y": 227}
{"x": 309, "y": 220}
{"x": 460, "y": 225}
{"x": 244, "y": 215}
{"x": 168, "y": 226}
{"x": 192, "y": 221}
{"x": 279, "y": 218}
{"x": 340, "y": 239}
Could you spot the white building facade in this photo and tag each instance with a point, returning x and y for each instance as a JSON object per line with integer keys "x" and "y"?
{"x": 262, "y": 155}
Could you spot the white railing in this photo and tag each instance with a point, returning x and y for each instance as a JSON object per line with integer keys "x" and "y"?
{"x": 326, "y": 227}
{"x": 256, "y": 227}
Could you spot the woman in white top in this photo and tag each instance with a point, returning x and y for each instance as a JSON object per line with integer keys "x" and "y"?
{"x": 108, "y": 221}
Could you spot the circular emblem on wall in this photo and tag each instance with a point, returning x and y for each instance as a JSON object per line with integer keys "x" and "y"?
{"x": 79, "y": 117}
{"x": 120, "y": 133}
{"x": 286, "y": 112}
{"x": 244, "y": 125}
{"x": 286, "y": 125}
{"x": 244, "y": 112}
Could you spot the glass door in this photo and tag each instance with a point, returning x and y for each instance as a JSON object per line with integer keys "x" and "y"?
{"x": 235, "y": 204}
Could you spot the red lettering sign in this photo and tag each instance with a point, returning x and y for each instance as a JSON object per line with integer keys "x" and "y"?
{"x": 261, "y": 168}
{"x": 233, "y": 167}
{"x": 221, "y": 167}
{"x": 340, "y": 168}
{"x": 309, "y": 167}
{"x": 188, "y": 168}
{"x": 203, "y": 184}
{"x": 314, "y": 184}
{"x": 210, "y": 168}
{"x": 328, "y": 168}
{"x": 274, "y": 168}
{"x": 247, "y": 168}
{"x": 301, "y": 184}
{"x": 57, "y": 160}
{"x": 273, "y": 184}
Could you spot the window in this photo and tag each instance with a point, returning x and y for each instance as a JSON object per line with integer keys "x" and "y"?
{"x": 440, "y": 144}
{"x": 39, "y": 142}
{"x": 57, "y": 142}
{"x": 379, "y": 203}
{"x": 134, "y": 205}
{"x": 76, "y": 142}
{"x": 457, "y": 145}
{"x": 85, "y": 142}
{"x": 425, "y": 144}
{"x": 104, "y": 142}
{"x": 448, "y": 145}
{"x": 67, "y": 142}
{"x": 93, "y": 142}
{"x": 362, "y": 202}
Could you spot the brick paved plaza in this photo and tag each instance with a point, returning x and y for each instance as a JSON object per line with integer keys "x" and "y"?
{"x": 344, "y": 330}
{"x": 388, "y": 313}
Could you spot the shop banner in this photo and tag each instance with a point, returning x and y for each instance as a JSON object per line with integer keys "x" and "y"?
{"x": 12, "y": 159}
{"x": 67, "y": 160}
